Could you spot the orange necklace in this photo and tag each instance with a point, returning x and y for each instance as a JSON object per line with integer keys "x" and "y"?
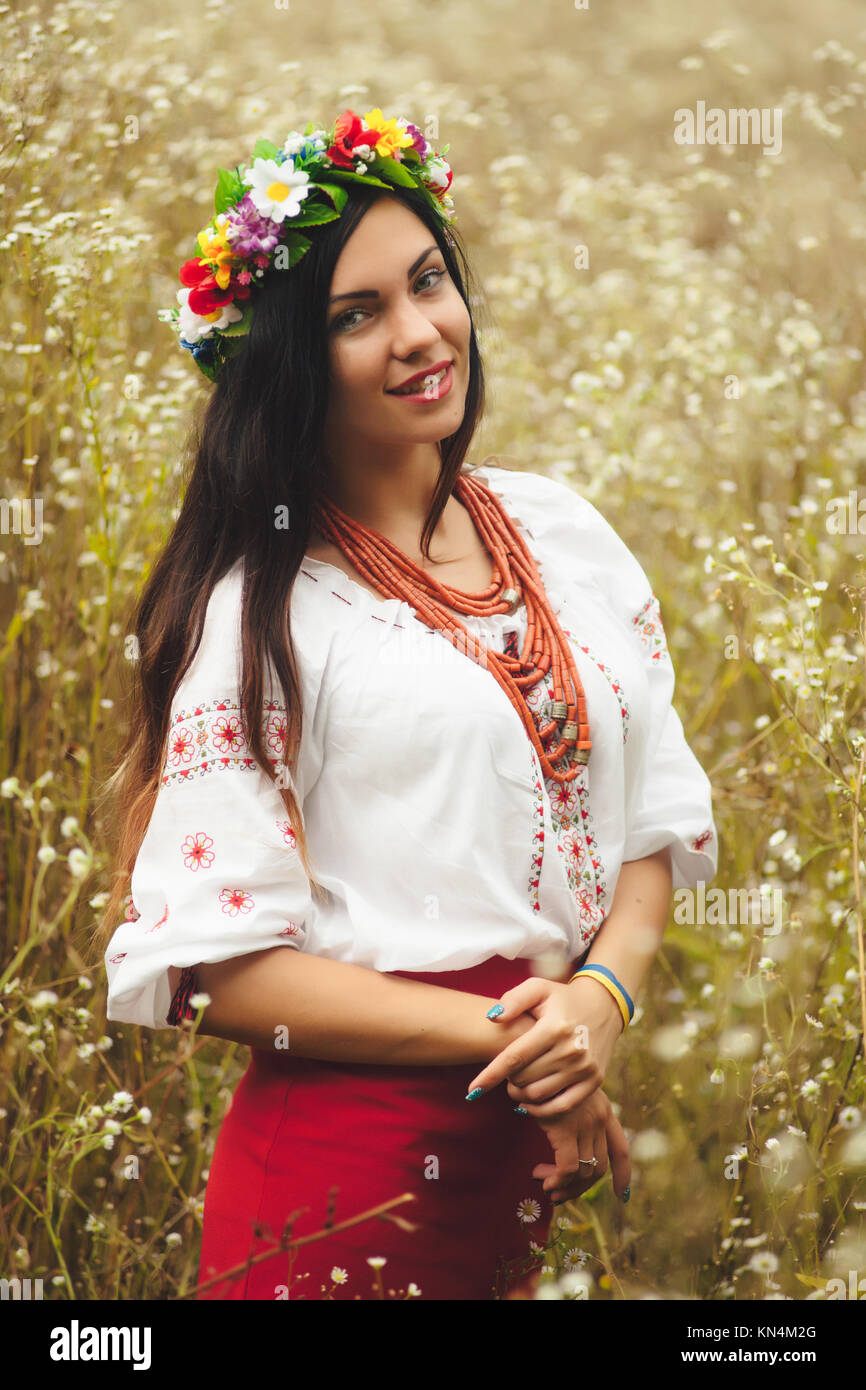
{"x": 515, "y": 573}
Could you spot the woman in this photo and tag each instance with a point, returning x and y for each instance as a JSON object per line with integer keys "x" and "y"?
{"x": 457, "y": 776}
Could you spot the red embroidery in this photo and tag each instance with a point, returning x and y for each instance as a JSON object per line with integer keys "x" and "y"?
{"x": 196, "y": 851}
{"x": 572, "y": 824}
{"x": 650, "y": 631}
{"x": 210, "y": 737}
{"x": 235, "y": 900}
{"x": 181, "y": 747}
{"x": 277, "y": 731}
{"x": 288, "y": 834}
{"x": 161, "y": 923}
{"x": 228, "y": 734}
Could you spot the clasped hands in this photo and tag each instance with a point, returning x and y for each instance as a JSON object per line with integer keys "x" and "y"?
{"x": 555, "y": 1070}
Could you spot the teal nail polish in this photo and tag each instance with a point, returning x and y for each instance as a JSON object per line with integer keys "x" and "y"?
{"x": 520, "y": 1110}
{"x": 495, "y": 1011}
{"x": 473, "y": 1095}
{"x": 626, "y": 1194}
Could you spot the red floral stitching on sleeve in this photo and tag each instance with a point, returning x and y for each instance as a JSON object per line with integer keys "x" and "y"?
{"x": 650, "y": 630}
{"x": 197, "y": 852}
{"x": 235, "y": 900}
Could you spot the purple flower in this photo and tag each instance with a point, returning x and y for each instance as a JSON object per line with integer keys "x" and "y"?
{"x": 419, "y": 143}
{"x": 251, "y": 233}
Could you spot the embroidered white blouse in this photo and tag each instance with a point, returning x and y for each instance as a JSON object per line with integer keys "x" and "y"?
{"x": 428, "y": 818}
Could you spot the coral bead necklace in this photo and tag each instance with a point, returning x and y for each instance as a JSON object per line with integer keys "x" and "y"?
{"x": 515, "y": 574}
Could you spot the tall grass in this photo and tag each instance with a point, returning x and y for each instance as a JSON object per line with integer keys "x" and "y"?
{"x": 696, "y": 372}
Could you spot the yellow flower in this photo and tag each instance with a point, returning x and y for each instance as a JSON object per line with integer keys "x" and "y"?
{"x": 216, "y": 251}
{"x": 391, "y": 136}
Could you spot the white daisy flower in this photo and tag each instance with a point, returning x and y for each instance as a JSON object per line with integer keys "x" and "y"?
{"x": 764, "y": 1262}
{"x": 43, "y": 999}
{"x": 194, "y": 326}
{"x": 528, "y": 1210}
{"x": 277, "y": 190}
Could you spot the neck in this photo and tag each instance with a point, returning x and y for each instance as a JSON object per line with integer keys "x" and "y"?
{"x": 391, "y": 492}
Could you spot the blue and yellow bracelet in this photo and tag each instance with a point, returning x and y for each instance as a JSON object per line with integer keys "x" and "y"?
{"x": 608, "y": 979}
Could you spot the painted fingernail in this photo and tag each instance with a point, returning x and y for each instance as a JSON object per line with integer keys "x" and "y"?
{"x": 520, "y": 1110}
{"x": 473, "y": 1095}
{"x": 626, "y": 1194}
{"x": 495, "y": 1011}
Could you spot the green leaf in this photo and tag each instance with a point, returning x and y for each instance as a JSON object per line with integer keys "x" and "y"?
{"x": 240, "y": 326}
{"x": 210, "y": 372}
{"x": 296, "y": 245}
{"x": 394, "y": 171}
{"x": 337, "y": 195}
{"x": 13, "y": 632}
{"x": 228, "y": 190}
{"x": 313, "y": 214}
{"x": 265, "y": 149}
{"x": 347, "y": 176}
{"x": 232, "y": 346}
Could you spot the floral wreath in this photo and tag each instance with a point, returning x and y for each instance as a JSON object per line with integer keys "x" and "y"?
{"x": 259, "y": 207}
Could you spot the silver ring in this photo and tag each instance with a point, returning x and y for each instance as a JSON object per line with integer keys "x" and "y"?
{"x": 592, "y": 1161}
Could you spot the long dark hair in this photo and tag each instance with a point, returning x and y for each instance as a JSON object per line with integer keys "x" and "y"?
{"x": 256, "y": 446}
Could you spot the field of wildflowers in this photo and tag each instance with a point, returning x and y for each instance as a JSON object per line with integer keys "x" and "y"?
{"x": 676, "y": 330}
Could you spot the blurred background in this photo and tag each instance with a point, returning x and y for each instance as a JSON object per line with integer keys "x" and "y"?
{"x": 674, "y": 329}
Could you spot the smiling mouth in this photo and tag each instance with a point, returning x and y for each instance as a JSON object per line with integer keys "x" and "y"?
{"x": 429, "y": 381}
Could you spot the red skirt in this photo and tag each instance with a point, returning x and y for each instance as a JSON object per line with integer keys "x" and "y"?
{"x": 298, "y": 1127}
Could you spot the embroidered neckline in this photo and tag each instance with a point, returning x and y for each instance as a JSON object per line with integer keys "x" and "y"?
{"x": 345, "y": 584}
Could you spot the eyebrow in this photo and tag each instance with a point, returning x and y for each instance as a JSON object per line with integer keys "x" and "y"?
{"x": 374, "y": 294}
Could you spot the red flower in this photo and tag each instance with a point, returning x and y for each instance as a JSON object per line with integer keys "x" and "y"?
{"x": 205, "y": 295}
{"x": 349, "y": 131}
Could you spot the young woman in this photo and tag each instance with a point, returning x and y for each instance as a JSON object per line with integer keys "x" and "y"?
{"x": 411, "y": 719}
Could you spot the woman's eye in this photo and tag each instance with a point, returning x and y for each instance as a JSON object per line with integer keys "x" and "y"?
{"x": 342, "y": 321}
{"x": 431, "y": 271}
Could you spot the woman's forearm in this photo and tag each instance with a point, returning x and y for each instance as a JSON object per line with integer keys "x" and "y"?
{"x": 310, "y": 1006}
{"x": 630, "y": 935}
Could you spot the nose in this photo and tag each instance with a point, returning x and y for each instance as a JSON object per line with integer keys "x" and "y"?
{"x": 411, "y": 330}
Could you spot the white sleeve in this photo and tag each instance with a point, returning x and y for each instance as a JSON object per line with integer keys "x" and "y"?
{"x": 670, "y": 804}
{"x": 217, "y": 874}
{"x": 673, "y": 800}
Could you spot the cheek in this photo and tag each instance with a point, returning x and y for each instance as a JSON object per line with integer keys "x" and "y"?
{"x": 459, "y": 320}
{"x": 355, "y": 370}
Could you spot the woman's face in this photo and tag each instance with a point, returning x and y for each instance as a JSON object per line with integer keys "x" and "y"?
{"x": 394, "y": 311}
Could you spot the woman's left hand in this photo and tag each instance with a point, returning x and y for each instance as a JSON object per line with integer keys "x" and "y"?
{"x": 556, "y": 1065}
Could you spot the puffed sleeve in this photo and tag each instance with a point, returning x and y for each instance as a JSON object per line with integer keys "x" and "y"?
{"x": 217, "y": 874}
{"x": 669, "y": 800}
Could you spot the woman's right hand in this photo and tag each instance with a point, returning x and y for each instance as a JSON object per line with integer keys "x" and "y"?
{"x": 590, "y": 1130}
